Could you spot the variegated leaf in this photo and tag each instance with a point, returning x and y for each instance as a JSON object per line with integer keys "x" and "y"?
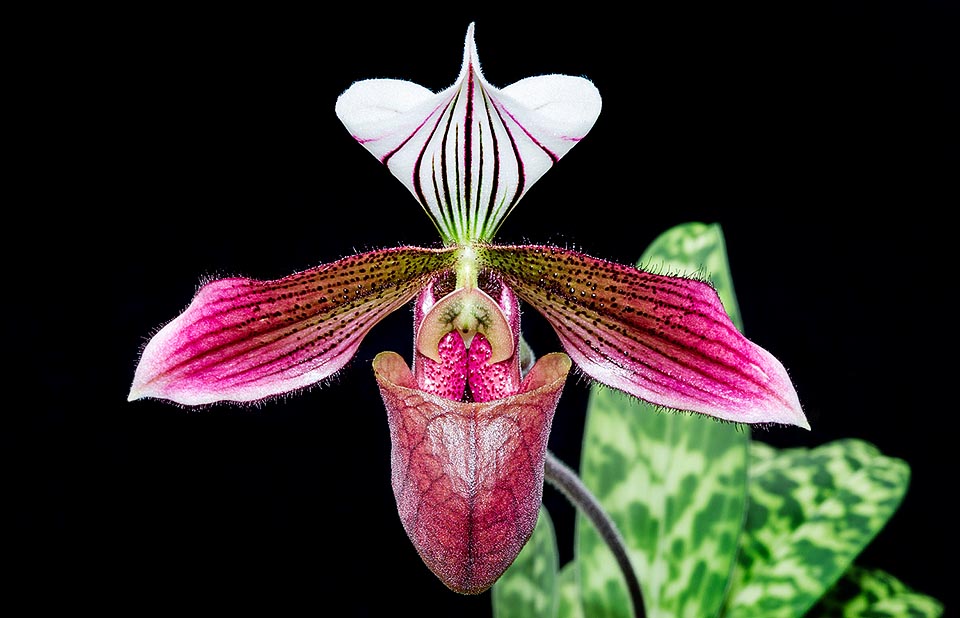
{"x": 674, "y": 484}
{"x": 568, "y": 587}
{"x": 528, "y": 588}
{"x": 811, "y": 513}
{"x": 865, "y": 593}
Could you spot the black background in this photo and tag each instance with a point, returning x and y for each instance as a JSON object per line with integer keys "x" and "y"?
{"x": 165, "y": 147}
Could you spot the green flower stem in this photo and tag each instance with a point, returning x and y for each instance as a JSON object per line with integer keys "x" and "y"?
{"x": 569, "y": 484}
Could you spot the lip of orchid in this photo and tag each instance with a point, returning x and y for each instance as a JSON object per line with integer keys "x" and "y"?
{"x": 468, "y": 476}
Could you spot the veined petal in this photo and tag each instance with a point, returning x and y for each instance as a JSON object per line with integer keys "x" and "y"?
{"x": 245, "y": 340}
{"x": 468, "y": 477}
{"x": 664, "y": 339}
{"x": 469, "y": 153}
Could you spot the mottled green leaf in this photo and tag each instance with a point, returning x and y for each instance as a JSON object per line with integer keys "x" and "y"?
{"x": 906, "y": 605}
{"x": 528, "y": 589}
{"x": 863, "y": 593}
{"x": 569, "y": 588}
{"x": 675, "y": 484}
{"x": 811, "y": 513}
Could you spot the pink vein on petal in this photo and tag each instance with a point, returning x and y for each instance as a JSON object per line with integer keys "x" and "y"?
{"x": 245, "y": 340}
{"x": 664, "y": 339}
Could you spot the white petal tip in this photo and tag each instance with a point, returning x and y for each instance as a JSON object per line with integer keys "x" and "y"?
{"x": 790, "y": 414}
{"x": 140, "y": 390}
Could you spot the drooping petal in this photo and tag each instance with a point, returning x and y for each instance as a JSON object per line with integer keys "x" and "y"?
{"x": 664, "y": 339}
{"x": 468, "y": 477}
{"x": 469, "y": 153}
{"x": 245, "y": 340}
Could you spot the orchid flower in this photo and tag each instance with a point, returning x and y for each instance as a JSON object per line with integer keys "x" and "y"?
{"x": 470, "y": 417}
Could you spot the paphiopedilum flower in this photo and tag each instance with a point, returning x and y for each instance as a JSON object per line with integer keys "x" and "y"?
{"x": 470, "y": 417}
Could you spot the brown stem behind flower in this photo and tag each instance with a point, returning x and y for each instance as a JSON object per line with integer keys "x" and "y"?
{"x": 569, "y": 484}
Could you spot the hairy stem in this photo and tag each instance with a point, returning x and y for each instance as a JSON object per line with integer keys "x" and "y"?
{"x": 569, "y": 484}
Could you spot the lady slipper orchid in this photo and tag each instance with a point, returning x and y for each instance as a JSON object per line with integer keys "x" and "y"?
{"x": 470, "y": 418}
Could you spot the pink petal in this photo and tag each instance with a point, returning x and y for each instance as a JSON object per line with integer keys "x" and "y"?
{"x": 468, "y": 477}
{"x": 245, "y": 340}
{"x": 664, "y": 339}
